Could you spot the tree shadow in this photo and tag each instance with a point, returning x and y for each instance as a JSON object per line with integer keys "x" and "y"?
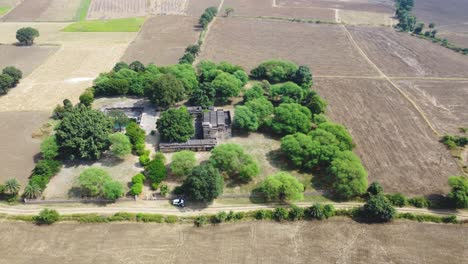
{"x": 278, "y": 160}
{"x": 74, "y": 192}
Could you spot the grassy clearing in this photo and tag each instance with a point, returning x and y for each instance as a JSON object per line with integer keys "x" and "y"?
{"x": 4, "y": 9}
{"x": 113, "y": 25}
{"x": 82, "y": 11}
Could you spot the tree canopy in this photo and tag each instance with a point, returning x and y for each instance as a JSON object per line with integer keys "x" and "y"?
{"x": 291, "y": 118}
{"x": 275, "y": 71}
{"x": 234, "y": 162}
{"x": 282, "y": 186}
{"x": 83, "y": 133}
{"x": 176, "y": 125}
{"x": 26, "y": 35}
{"x": 349, "y": 177}
{"x": 459, "y": 193}
{"x": 378, "y": 209}
{"x": 245, "y": 119}
{"x": 166, "y": 90}
{"x": 204, "y": 183}
{"x": 92, "y": 181}
{"x": 182, "y": 163}
{"x": 120, "y": 145}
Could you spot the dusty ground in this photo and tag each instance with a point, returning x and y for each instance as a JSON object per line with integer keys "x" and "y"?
{"x": 449, "y": 15}
{"x": 27, "y": 59}
{"x": 168, "y": 7}
{"x": 326, "y": 49}
{"x": 333, "y": 241}
{"x": 108, "y": 9}
{"x": 444, "y": 102}
{"x": 353, "y": 17}
{"x": 17, "y": 147}
{"x": 80, "y": 59}
{"x": 163, "y": 40}
{"x": 383, "y": 6}
{"x": 196, "y": 7}
{"x": 44, "y": 10}
{"x": 399, "y": 54}
{"x": 265, "y": 8}
{"x": 396, "y": 146}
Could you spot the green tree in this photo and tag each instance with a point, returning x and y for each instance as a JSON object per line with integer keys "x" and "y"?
{"x": 6, "y": 82}
{"x": 275, "y": 71}
{"x": 14, "y": 73}
{"x": 315, "y": 103}
{"x": 203, "y": 96}
{"x": 137, "y": 66}
{"x": 166, "y": 90}
{"x": 92, "y": 181}
{"x": 255, "y": 92}
{"x": 183, "y": 162}
{"x": 320, "y": 211}
{"x": 349, "y": 177}
{"x": 83, "y": 133}
{"x": 120, "y": 145}
{"x": 340, "y": 132}
{"x": 303, "y": 77}
{"x": 49, "y": 148}
{"x": 459, "y": 193}
{"x": 135, "y": 133}
{"x": 87, "y": 98}
{"x": 378, "y": 209}
{"x": 26, "y": 35}
{"x": 12, "y": 186}
{"x": 234, "y": 162}
{"x": 187, "y": 58}
{"x": 226, "y": 86}
{"x": 228, "y": 11}
{"x": 47, "y": 217}
{"x": 112, "y": 190}
{"x": 176, "y": 125}
{"x": 32, "y": 191}
{"x": 419, "y": 28}
{"x": 204, "y": 184}
{"x": 120, "y": 65}
{"x": 282, "y": 186}
{"x": 288, "y": 92}
{"x": 245, "y": 119}
{"x": 184, "y": 73}
{"x": 193, "y": 49}
{"x": 156, "y": 171}
{"x": 262, "y": 108}
{"x": 120, "y": 118}
{"x": 375, "y": 188}
{"x": 291, "y": 118}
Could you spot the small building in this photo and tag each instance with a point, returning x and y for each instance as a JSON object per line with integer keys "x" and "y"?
{"x": 210, "y": 125}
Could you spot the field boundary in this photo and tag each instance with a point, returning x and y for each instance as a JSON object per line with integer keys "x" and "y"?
{"x": 421, "y": 113}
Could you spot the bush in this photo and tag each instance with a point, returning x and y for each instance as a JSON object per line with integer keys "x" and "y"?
{"x": 163, "y": 189}
{"x": 263, "y": 214}
{"x": 378, "y": 209}
{"x": 140, "y": 217}
{"x": 219, "y": 217}
{"x": 282, "y": 186}
{"x": 374, "y": 189}
{"x": 419, "y": 202}
{"x": 122, "y": 216}
{"x": 234, "y": 162}
{"x": 208, "y": 16}
{"x": 112, "y": 190}
{"x": 87, "y": 98}
{"x": 171, "y": 219}
{"x": 136, "y": 189}
{"x": 144, "y": 160}
{"x": 458, "y": 196}
{"x": 14, "y": 73}
{"x": 200, "y": 221}
{"x": 397, "y": 199}
{"x": 296, "y": 213}
{"x": 139, "y": 178}
{"x": 156, "y": 171}
{"x": 26, "y": 35}
{"x": 183, "y": 163}
{"x": 47, "y": 217}
{"x": 275, "y": 71}
{"x": 280, "y": 214}
{"x": 320, "y": 212}
{"x": 120, "y": 145}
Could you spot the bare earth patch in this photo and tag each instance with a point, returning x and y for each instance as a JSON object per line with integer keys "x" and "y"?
{"x": 445, "y": 103}
{"x": 27, "y": 59}
{"x": 18, "y": 148}
{"x": 163, "y": 40}
{"x": 382, "y": 6}
{"x": 396, "y": 146}
{"x": 399, "y": 54}
{"x": 109, "y": 9}
{"x": 332, "y": 241}
{"x": 44, "y": 10}
{"x": 326, "y": 49}
{"x": 196, "y": 7}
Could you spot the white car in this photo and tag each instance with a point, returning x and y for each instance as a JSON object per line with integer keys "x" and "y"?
{"x": 178, "y": 202}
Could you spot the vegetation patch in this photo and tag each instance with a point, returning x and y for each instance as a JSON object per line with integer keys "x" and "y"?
{"x": 4, "y": 9}
{"x": 82, "y": 11}
{"x": 113, "y": 25}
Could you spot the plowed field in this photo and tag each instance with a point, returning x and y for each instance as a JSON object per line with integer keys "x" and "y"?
{"x": 383, "y": 6}
{"x": 109, "y": 9}
{"x": 43, "y": 10}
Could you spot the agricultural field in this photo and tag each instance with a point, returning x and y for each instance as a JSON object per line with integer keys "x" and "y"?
{"x": 27, "y": 59}
{"x": 395, "y": 144}
{"x": 251, "y": 41}
{"x": 168, "y": 7}
{"x": 163, "y": 40}
{"x": 444, "y": 102}
{"x": 265, "y": 8}
{"x": 382, "y": 6}
{"x": 196, "y": 7}
{"x": 7, "y": 5}
{"x": 401, "y": 55}
{"x": 44, "y": 10}
{"x": 19, "y": 149}
{"x": 110, "y": 9}
{"x": 249, "y": 242}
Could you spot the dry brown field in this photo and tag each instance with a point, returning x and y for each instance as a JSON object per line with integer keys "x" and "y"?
{"x": 163, "y": 40}
{"x": 109, "y": 9}
{"x": 196, "y": 7}
{"x": 353, "y": 17}
{"x": 459, "y": 39}
{"x": 382, "y": 6}
{"x": 326, "y": 49}
{"x": 399, "y": 54}
{"x": 28, "y": 10}
{"x": 27, "y": 59}
{"x": 395, "y": 144}
{"x": 332, "y": 241}
{"x": 445, "y": 103}
{"x": 265, "y": 8}
{"x": 18, "y": 148}
{"x": 168, "y": 7}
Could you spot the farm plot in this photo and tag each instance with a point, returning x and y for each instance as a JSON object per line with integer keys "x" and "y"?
{"x": 110, "y": 9}
{"x": 326, "y": 49}
{"x": 445, "y": 103}
{"x": 243, "y": 242}
{"x": 196, "y": 7}
{"x": 382, "y": 6}
{"x": 264, "y": 8}
{"x": 352, "y": 17}
{"x": 163, "y": 40}
{"x": 395, "y": 144}
{"x": 27, "y": 59}
{"x": 18, "y": 148}
{"x": 44, "y": 10}
{"x": 168, "y": 7}
{"x": 399, "y": 54}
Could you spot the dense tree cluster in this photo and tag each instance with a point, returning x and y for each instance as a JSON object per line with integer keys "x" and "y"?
{"x": 278, "y": 71}
{"x": 176, "y": 125}
{"x": 283, "y": 187}
{"x": 208, "y": 16}
{"x": 96, "y": 182}
{"x": 231, "y": 160}
{"x": 191, "y": 52}
{"x": 459, "y": 193}
{"x": 9, "y": 78}
{"x": 204, "y": 183}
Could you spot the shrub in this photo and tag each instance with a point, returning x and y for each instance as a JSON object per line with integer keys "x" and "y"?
{"x": 163, "y": 189}
{"x": 419, "y": 202}
{"x": 140, "y": 217}
{"x": 135, "y": 133}
{"x": 47, "y": 217}
{"x": 295, "y": 213}
{"x": 239, "y": 216}
{"x": 280, "y": 214}
{"x": 320, "y": 212}
{"x": 120, "y": 145}
{"x": 14, "y": 73}
{"x": 458, "y": 196}
{"x": 26, "y": 35}
{"x": 171, "y": 219}
{"x": 397, "y": 199}
{"x": 234, "y": 162}
{"x": 200, "y": 221}
{"x": 49, "y": 148}
{"x": 282, "y": 186}
{"x": 378, "y": 209}
{"x": 208, "y": 16}
{"x": 219, "y": 217}
{"x": 156, "y": 171}
{"x": 136, "y": 189}
{"x": 87, "y": 98}
{"x": 47, "y": 168}
{"x": 263, "y": 214}
{"x": 187, "y": 58}
{"x": 138, "y": 178}
{"x": 374, "y": 189}
{"x": 112, "y": 190}
{"x": 144, "y": 160}
{"x": 183, "y": 162}
{"x": 122, "y": 216}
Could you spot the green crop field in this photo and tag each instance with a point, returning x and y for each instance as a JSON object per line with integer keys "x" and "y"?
{"x": 4, "y": 9}
{"x": 82, "y": 11}
{"x": 113, "y": 25}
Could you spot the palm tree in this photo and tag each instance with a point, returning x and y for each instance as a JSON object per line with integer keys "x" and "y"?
{"x": 12, "y": 186}
{"x": 32, "y": 191}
